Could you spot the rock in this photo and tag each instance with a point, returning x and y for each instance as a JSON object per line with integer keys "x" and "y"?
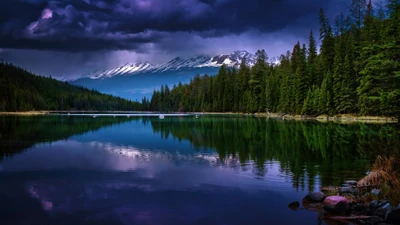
{"x": 350, "y": 190}
{"x": 386, "y": 206}
{"x": 358, "y": 207}
{"x": 374, "y": 204}
{"x": 379, "y": 204}
{"x": 312, "y": 205}
{"x": 393, "y": 216}
{"x": 315, "y": 197}
{"x": 329, "y": 189}
{"x": 381, "y": 213}
{"x": 336, "y": 204}
{"x": 375, "y": 192}
{"x": 294, "y": 205}
{"x": 351, "y": 182}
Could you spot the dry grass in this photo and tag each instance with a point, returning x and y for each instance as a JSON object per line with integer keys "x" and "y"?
{"x": 385, "y": 174}
{"x": 27, "y": 113}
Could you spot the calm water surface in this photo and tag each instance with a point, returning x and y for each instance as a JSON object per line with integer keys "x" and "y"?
{"x": 179, "y": 170}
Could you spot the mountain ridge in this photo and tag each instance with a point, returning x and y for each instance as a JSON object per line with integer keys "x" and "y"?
{"x": 176, "y": 64}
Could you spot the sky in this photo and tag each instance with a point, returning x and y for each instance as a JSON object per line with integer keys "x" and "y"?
{"x": 69, "y": 38}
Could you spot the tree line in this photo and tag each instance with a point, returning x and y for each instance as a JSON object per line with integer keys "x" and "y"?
{"x": 21, "y": 90}
{"x": 355, "y": 71}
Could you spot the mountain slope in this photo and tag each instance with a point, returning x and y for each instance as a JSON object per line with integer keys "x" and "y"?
{"x": 137, "y": 80}
{"x": 23, "y": 91}
{"x": 177, "y": 64}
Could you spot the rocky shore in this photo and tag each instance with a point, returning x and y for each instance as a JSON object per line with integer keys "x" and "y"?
{"x": 350, "y": 204}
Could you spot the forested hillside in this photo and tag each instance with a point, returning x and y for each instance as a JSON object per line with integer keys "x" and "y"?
{"x": 21, "y": 90}
{"x": 356, "y": 71}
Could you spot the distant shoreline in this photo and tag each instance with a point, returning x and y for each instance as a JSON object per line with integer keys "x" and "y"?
{"x": 344, "y": 118}
{"x": 49, "y": 112}
{"x": 27, "y": 113}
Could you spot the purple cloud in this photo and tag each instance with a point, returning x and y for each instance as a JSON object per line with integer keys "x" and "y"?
{"x": 76, "y": 25}
{"x": 99, "y": 34}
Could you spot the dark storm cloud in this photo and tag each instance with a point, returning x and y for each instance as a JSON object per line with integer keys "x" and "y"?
{"x": 89, "y": 25}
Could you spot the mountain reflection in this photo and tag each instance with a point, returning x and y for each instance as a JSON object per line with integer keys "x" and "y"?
{"x": 18, "y": 133}
{"x": 309, "y": 153}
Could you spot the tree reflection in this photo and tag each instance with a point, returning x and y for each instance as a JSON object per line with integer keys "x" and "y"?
{"x": 18, "y": 133}
{"x": 305, "y": 149}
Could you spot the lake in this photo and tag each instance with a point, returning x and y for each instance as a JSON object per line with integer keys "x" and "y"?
{"x": 215, "y": 169}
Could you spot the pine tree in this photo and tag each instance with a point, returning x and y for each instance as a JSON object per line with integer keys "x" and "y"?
{"x": 357, "y": 12}
{"x": 307, "y": 104}
{"x": 301, "y": 80}
{"x": 338, "y": 74}
{"x": 325, "y": 104}
{"x": 271, "y": 91}
{"x": 285, "y": 72}
{"x": 328, "y": 43}
{"x": 312, "y": 55}
{"x": 257, "y": 81}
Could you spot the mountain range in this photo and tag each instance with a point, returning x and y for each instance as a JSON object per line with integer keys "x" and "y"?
{"x": 177, "y": 64}
{"x": 138, "y": 79}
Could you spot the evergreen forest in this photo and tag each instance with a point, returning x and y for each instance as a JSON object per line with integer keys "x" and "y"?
{"x": 355, "y": 71}
{"x": 21, "y": 90}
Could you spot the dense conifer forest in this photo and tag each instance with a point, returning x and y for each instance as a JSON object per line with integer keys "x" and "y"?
{"x": 356, "y": 71}
{"x": 21, "y": 90}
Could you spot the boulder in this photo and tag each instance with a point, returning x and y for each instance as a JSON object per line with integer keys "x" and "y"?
{"x": 375, "y": 192}
{"x": 349, "y": 190}
{"x": 337, "y": 204}
{"x": 374, "y": 204}
{"x": 379, "y": 204}
{"x": 351, "y": 182}
{"x": 393, "y": 216}
{"x": 358, "y": 207}
{"x": 386, "y": 206}
{"x": 315, "y": 197}
{"x": 294, "y": 205}
{"x": 380, "y": 213}
{"x": 313, "y": 201}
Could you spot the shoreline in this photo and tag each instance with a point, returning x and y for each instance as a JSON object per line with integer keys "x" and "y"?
{"x": 342, "y": 118}
{"x": 50, "y": 112}
{"x": 27, "y": 113}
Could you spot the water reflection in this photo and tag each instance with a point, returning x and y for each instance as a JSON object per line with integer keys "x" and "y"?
{"x": 302, "y": 148}
{"x": 141, "y": 170}
{"x": 19, "y": 133}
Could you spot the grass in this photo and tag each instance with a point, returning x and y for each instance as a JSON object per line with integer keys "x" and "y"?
{"x": 385, "y": 174}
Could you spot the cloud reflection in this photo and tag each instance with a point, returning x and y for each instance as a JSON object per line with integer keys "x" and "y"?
{"x": 126, "y": 184}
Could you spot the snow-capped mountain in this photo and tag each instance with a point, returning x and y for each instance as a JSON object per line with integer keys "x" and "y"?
{"x": 177, "y": 64}
{"x": 137, "y": 80}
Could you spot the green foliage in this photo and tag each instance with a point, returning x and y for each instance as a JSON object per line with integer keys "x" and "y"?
{"x": 21, "y": 90}
{"x": 357, "y": 71}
